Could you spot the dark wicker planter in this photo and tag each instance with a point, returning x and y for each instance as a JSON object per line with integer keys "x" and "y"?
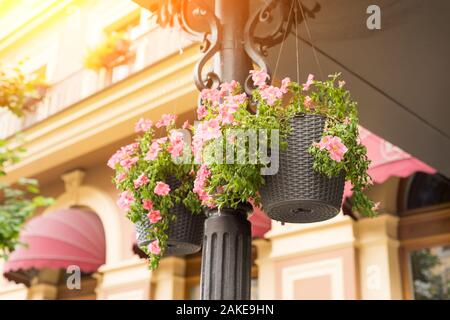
{"x": 185, "y": 233}
{"x": 298, "y": 194}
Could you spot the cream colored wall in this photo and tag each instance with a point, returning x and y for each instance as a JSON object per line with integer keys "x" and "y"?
{"x": 337, "y": 259}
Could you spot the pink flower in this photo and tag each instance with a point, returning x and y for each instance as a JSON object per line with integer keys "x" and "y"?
{"x": 143, "y": 125}
{"x": 308, "y": 83}
{"x": 154, "y": 248}
{"x": 229, "y": 87}
{"x": 130, "y": 149}
{"x": 341, "y": 83}
{"x": 200, "y": 183}
{"x": 126, "y": 198}
{"x": 121, "y": 154}
{"x": 115, "y": 159}
{"x": 154, "y": 216}
{"x": 201, "y": 112}
{"x": 121, "y": 177}
{"x": 186, "y": 125}
{"x": 140, "y": 181}
{"x": 128, "y": 162}
{"x": 308, "y": 102}
{"x": 234, "y": 101}
{"x": 271, "y": 94}
{"x": 176, "y": 145}
{"x": 259, "y": 77}
{"x": 161, "y": 189}
{"x": 166, "y": 120}
{"x": 285, "y": 85}
{"x": 334, "y": 146}
{"x": 226, "y": 113}
{"x": 211, "y": 95}
{"x": 197, "y": 146}
{"x": 147, "y": 204}
{"x": 152, "y": 153}
{"x": 324, "y": 142}
{"x": 209, "y": 130}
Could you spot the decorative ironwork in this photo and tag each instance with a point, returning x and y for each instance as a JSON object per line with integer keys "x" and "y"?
{"x": 210, "y": 40}
{"x": 190, "y": 14}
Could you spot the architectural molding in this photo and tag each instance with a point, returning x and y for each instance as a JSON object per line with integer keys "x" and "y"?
{"x": 109, "y": 115}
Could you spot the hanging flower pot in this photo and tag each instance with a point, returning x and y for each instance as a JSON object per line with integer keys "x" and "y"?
{"x": 31, "y": 101}
{"x": 311, "y": 132}
{"x": 115, "y": 50}
{"x": 297, "y": 193}
{"x": 185, "y": 233}
{"x": 156, "y": 177}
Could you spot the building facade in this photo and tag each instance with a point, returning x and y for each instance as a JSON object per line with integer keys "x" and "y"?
{"x": 86, "y": 115}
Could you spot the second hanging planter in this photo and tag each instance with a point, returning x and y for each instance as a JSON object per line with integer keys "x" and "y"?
{"x": 297, "y": 193}
{"x": 185, "y": 233}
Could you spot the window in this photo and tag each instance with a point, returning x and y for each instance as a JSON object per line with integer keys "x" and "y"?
{"x": 430, "y": 273}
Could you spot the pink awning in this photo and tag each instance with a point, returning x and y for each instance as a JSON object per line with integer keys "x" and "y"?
{"x": 387, "y": 161}
{"x": 58, "y": 240}
{"x": 260, "y": 223}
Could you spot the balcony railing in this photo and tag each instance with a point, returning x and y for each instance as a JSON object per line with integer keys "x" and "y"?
{"x": 150, "y": 47}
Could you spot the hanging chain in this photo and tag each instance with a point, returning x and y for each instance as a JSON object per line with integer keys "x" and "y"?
{"x": 282, "y": 43}
{"x": 308, "y": 32}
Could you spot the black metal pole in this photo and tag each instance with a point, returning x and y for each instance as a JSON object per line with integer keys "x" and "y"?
{"x": 226, "y": 260}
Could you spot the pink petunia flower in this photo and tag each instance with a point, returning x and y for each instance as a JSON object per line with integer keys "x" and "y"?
{"x": 154, "y": 216}
{"x": 147, "y": 204}
{"x": 201, "y": 112}
{"x": 324, "y": 142}
{"x": 229, "y": 87}
{"x": 140, "y": 181}
{"x": 259, "y": 78}
{"x": 336, "y": 149}
{"x": 209, "y": 130}
{"x": 308, "y": 102}
{"x": 128, "y": 162}
{"x": 200, "y": 183}
{"x": 121, "y": 177}
{"x": 308, "y": 83}
{"x": 176, "y": 145}
{"x": 152, "y": 153}
{"x": 226, "y": 114}
{"x": 115, "y": 159}
{"x": 186, "y": 125}
{"x": 271, "y": 94}
{"x": 154, "y": 248}
{"x": 161, "y": 189}
{"x": 143, "y": 125}
{"x": 130, "y": 149}
{"x": 126, "y": 199}
{"x": 285, "y": 85}
{"x": 211, "y": 95}
{"x": 166, "y": 120}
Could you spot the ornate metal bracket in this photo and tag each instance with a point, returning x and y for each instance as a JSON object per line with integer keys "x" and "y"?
{"x": 210, "y": 39}
{"x": 273, "y": 14}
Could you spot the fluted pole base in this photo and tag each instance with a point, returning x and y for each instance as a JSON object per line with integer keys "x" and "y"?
{"x": 226, "y": 260}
